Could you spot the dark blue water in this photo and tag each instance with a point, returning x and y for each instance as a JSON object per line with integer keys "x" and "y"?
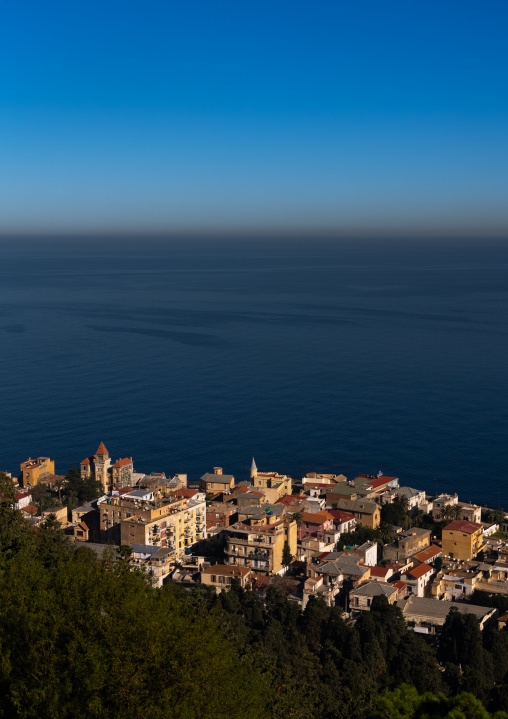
{"x": 309, "y": 356}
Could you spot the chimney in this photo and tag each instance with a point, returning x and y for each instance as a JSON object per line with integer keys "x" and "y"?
{"x": 217, "y": 470}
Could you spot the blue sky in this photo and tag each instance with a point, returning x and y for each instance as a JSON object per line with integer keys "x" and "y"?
{"x": 357, "y": 117}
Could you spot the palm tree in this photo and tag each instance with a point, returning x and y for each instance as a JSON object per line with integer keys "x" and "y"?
{"x": 457, "y": 511}
{"x": 418, "y": 517}
{"x": 447, "y": 512}
{"x": 59, "y": 483}
{"x": 298, "y": 518}
{"x": 405, "y": 503}
{"x": 386, "y": 533}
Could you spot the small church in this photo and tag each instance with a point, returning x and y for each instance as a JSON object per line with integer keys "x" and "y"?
{"x": 111, "y": 476}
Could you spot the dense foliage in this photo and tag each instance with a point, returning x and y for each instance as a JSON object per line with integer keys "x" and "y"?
{"x": 79, "y": 635}
{"x": 405, "y": 703}
{"x": 83, "y": 637}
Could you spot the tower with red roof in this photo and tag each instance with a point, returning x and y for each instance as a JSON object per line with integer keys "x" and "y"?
{"x": 99, "y": 465}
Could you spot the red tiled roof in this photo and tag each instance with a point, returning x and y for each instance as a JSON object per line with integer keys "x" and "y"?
{"x": 86, "y": 461}
{"x": 428, "y": 553}
{"x": 30, "y": 509}
{"x": 463, "y": 526}
{"x": 260, "y": 582}
{"x": 240, "y": 489}
{"x": 379, "y": 571}
{"x": 288, "y": 499}
{"x": 121, "y": 462}
{"x": 400, "y": 584}
{"x": 22, "y": 495}
{"x": 419, "y": 571}
{"x": 83, "y": 526}
{"x": 185, "y": 492}
{"x": 341, "y": 516}
{"x": 380, "y": 481}
{"x": 102, "y": 449}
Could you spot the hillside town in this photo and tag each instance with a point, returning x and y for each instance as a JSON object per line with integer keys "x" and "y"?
{"x": 346, "y": 541}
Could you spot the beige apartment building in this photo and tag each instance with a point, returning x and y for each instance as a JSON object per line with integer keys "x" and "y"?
{"x": 407, "y": 544}
{"x": 140, "y": 517}
{"x": 258, "y": 542}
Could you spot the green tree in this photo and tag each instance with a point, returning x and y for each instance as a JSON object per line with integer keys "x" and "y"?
{"x": 124, "y": 551}
{"x": 359, "y": 536}
{"x": 448, "y": 512}
{"x": 41, "y": 497}
{"x": 7, "y": 490}
{"x": 79, "y": 635}
{"x": 298, "y": 518}
{"x": 405, "y": 703}
{"x": 78, "y": 491}
{"x": 287, "y": 557}
{"x": 386, "y": 532}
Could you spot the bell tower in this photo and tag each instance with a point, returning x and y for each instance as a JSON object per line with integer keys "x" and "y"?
{"x": 102, "y": 464}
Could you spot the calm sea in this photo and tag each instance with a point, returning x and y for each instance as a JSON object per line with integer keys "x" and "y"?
{"x": 307, "y": 356}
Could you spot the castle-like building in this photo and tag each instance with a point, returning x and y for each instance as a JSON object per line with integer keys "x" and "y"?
{"x": 110, "y": 475}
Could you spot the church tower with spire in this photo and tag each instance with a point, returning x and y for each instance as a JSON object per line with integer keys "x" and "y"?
{"x": 253, "y": 470}
{"x": 102, "y": 463}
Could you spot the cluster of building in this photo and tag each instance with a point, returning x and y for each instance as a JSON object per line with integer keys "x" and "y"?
{"x": 250, "y": 531}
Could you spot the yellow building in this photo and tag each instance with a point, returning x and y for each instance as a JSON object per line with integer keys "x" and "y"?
{"x": 140, "y": 517}
{"x": 216, "y": 481}
{"x": 258, "y": 542}
{"x": 34, "y": 469}
{"x": 272, "y": 484}
{"x": 462, "y": 540}
{"x": 222, "y": 576}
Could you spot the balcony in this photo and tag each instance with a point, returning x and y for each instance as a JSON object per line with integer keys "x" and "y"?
{"x": 253, "y": 542}
{"x": 258, "y": 555}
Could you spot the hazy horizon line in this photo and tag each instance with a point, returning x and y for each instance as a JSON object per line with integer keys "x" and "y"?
{"x": 353, "y": 234}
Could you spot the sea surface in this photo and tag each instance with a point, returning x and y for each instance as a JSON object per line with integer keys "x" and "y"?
{"x": 308, "y": 355}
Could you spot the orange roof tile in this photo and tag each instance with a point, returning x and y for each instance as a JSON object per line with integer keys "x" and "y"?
{"x": 380, "y": 481}
{"x": 419, "y": 571}
{"x": 30, "y": 509}
{"x": 86, "y": 461}
{"x": 185, "y": 492}
{"x": 428, "y": 553}
{"x": 121, "y": 462}
{"x": 102, "y": 449}
{"x": 316, "y": 517}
